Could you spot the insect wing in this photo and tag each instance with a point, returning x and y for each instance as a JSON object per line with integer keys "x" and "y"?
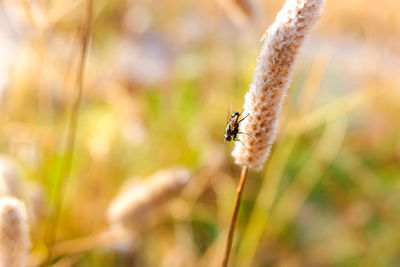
{"x": 228, "y": 117}
{"x": 234, "y": 119}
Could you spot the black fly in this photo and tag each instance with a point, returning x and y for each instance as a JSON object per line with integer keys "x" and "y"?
{"x": 232, "y": 126}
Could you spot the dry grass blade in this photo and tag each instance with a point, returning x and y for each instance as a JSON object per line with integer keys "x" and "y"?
{"x": 295, "y": 195}
{"x": 329, "y": 112}
{"x": 314, "y": 79}
{"x": 72, "y": 127}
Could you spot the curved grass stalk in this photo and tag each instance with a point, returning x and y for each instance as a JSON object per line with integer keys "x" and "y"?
{"x": 62, "y": 181}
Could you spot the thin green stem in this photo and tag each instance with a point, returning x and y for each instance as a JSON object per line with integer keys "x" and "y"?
{"x": 239, "y": 191}
{"x": 65, "y": 171}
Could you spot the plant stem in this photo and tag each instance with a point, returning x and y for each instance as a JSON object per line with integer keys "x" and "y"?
{"x": 62, "y": 180}
{"x": 239, "y": 192}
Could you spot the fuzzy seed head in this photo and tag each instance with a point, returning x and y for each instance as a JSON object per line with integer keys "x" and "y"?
{"x": 133, "y": 204}
{"x": 9, "y": 183}
{"x": 14, "y": 233}
{"x": 271, "y": 80}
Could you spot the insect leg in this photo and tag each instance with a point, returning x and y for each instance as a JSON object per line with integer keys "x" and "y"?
{"x": 238, "y": 140}
{"x": 244, "y": 117}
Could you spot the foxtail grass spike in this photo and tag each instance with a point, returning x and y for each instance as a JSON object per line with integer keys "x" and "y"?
{"x": 133, "y": 204}
{"x": 272, "y": 77}
{"x": 14, "y": 233}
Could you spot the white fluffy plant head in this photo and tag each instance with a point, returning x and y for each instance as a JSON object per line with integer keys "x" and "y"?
{"x": 9, "y": 178}
{"x": 133, "y": 205}
{"x": 271, "y": 80}
{"x": 14, "y": 233}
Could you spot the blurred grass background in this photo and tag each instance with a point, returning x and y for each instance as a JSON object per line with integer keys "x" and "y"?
{"x": 160, "y": 77}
